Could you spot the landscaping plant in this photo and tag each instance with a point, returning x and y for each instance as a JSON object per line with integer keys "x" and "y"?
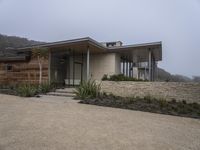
{"x": 88, "y": 89}
{"x": 40, "y": 54}
{"x": 44, "y": 88}
{"x": 148, "y": 104}
{"x": 119, "y": 77}
{"x": 27, "y": 90}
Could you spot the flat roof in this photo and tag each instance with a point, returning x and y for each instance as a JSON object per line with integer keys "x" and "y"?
{"x": 83, "y": 43}
{"x": 93, "y": 42}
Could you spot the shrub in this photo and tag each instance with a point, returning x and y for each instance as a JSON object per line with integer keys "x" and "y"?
{"x": 163, "y": 103}
{"x": 7, "y": 86}
{"x": 105, "y": 77}
{"x": 27, "y": 90}
{"x": 44, "y": 88}
{"x": 148, "y": 98}
{"x": 148, "y": 103}
{"x": 88, "y": 89}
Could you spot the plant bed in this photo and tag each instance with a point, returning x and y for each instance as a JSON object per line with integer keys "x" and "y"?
{"x": 120, "y": 77}
{"x": 26, "y": 90}
{"x": 147, "y": 104}
{"x": 8, "y": 91}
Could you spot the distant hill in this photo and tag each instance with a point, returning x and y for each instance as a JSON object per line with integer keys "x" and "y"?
{"x": 15, "y": 42}
{"x": 163, "y": 75}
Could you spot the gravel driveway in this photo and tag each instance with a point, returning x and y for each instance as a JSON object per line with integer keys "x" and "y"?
{"x": 63, "y": 124}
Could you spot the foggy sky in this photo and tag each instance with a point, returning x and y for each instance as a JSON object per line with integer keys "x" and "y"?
{"x": 174, "y": 22}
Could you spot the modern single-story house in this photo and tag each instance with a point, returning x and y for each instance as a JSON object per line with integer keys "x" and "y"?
{"x": 72, "y": 61}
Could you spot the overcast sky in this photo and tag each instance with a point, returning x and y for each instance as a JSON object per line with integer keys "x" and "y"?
{"x": 174, "y": 22}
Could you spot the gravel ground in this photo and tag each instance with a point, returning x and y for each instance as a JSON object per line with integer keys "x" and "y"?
{"x": 61, "y": 123}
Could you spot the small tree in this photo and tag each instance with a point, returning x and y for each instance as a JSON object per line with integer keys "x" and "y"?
{"x": 40, "y": 53}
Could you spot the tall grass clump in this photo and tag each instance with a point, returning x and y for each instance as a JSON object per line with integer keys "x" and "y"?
{"x": 27, "y": 90}
{"x": 88, "y": 89}
{"x": 45, "y": 88}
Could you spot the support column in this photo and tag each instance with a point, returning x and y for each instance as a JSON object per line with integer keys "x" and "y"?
{"x": 49, "y": 67}
{"x": 73, "y": 65}
{"x": 152, "y": 68}
{"x": 127, "y": 67}
{"x": 133, "y": 65}
{"x": 123, "y": 64}
{"x": 82, "y": 62}
{"x": 88, "y": 64}
{"x": 150, "y": 65}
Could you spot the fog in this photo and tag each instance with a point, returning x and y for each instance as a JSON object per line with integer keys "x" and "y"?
{"x": 174, "y": 22}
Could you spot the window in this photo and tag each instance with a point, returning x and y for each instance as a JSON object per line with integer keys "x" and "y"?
{"x": 8, "y": 67}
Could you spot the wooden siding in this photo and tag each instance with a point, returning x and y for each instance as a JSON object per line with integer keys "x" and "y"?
{"x": 24, "y": 72}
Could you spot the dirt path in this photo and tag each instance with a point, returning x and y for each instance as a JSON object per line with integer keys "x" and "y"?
{"x": 61, "y": 123}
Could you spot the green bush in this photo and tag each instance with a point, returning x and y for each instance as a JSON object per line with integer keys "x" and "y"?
{"x": 105, "y": 77}
{"x": 88, "y": 89}
{"x": 27, "y": 90}
{"x": 7, "y": 86}
{"x": 120, "y": 77}
{"x": 44, "y": 88}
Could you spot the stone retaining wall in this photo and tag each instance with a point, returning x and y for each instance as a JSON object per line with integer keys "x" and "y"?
{"x": 168, "y": 90}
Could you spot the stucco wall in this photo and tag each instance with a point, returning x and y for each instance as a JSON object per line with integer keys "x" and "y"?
{"x": 169, "y": 90}
{"x": 101, "y": 64}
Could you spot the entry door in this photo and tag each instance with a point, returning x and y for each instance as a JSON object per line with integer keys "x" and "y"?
{"x": 77, "y": 73}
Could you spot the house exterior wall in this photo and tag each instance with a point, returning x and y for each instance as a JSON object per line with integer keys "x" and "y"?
{"x": 23, "y": 72}
{"x": 101, "y": 64}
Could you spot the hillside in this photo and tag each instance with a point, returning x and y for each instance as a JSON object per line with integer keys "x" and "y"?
{"x": 163, "y": 75}
{"x": 15, "y": 42}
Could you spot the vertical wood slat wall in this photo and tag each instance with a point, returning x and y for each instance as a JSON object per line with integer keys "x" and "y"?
{"x": 23, "y": 72}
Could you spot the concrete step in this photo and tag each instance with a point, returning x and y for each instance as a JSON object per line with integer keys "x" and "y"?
{"x": 61, "y": 94}
{"x": 66, "y": 90}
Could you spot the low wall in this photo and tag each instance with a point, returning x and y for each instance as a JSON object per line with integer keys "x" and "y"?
{"x": 168, "y": 90}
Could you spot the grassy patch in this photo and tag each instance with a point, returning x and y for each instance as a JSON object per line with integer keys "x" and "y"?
{"x": 147, "y": 104}
{"x": 26, "y": 90}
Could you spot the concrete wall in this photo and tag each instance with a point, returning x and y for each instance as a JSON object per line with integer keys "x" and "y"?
{"x": 168, "y": 90}
{"x": 101, "y": 64}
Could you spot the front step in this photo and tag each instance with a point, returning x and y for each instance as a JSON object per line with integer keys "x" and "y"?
{"x": 61, "y": 94}
{"x": 67, "y": 92}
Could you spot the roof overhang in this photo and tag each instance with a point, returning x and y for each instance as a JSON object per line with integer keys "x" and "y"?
{"x": 81, "y": 45}
{"x": 140, "y": 51}
{"x": 13, "y": 59}
{"x": 77, "y": 45}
